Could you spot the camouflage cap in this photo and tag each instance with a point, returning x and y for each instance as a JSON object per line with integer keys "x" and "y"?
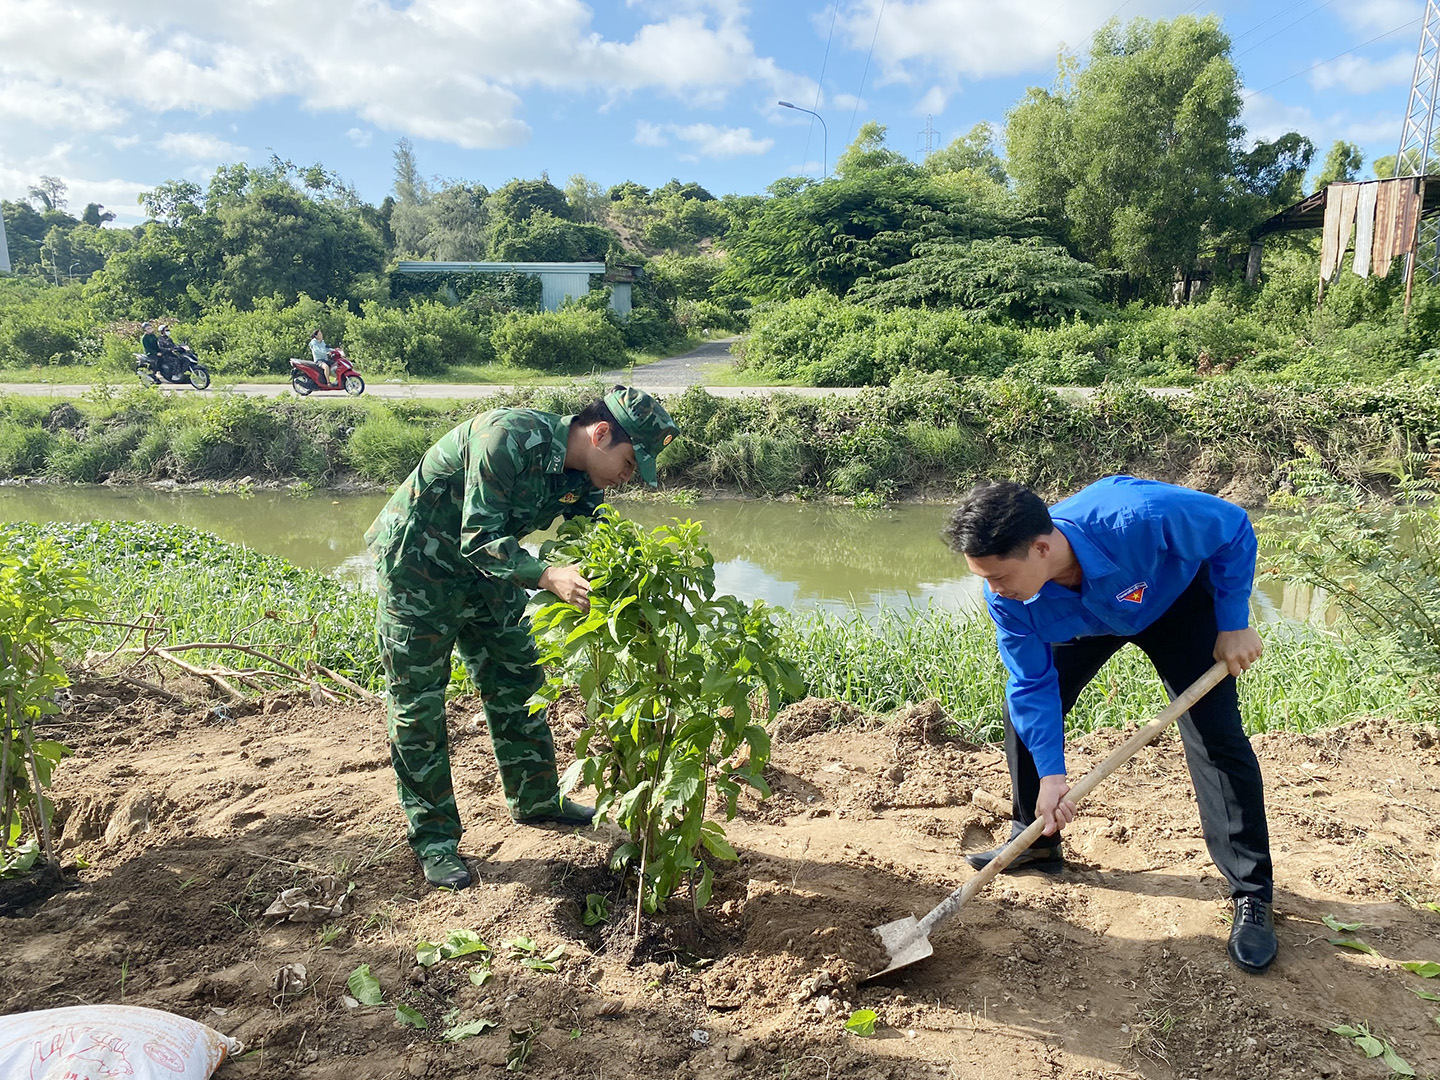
{"x": 646, "y": 422}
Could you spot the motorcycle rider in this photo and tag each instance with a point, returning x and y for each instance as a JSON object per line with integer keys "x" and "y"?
{"x": 167, "y": 353}
{"x": 321, "y": 352}
{"x": 150, "y": 344}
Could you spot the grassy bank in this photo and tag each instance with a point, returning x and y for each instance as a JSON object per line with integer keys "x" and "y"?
{"x": 208, "y": 590}
{"x": 919, "y": 434}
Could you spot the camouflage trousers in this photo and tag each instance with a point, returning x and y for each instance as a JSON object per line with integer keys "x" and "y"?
{"x": 420, "y": 621}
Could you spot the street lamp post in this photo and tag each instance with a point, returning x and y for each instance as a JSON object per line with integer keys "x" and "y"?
{"x": 824, "y": 135}
{"x": 71, "y": 272}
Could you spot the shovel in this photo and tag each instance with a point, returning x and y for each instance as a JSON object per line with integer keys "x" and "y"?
{"x": 908, "y": 940}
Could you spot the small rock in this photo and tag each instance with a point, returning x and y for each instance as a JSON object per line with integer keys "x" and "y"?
{"x": 701, "y": 1036}
{"x": 1029, "y": 954}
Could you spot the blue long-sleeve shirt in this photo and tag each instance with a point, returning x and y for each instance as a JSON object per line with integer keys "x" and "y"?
{"x": 1140, "y": 544}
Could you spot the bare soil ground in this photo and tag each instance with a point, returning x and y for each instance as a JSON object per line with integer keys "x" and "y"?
{"x": 186, "y": 823}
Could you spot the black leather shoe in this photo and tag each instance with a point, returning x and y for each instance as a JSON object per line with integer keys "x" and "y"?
{"x": 1047, "y": 859}
{"x": 446, "y": 871}
{"x": 1252, "y": 935}
{"x": 563, "y": 812}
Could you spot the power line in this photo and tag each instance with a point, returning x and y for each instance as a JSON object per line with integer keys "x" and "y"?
{"x": 821, "y": 84}
{"x": 1272, "y": 18}
{"x": 1337, "y": 56}
{"x": 1287, "y": 26}
{"x": 866, "y": 72}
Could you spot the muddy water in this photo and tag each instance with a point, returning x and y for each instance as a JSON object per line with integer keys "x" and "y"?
{"x": 799, "y": 555}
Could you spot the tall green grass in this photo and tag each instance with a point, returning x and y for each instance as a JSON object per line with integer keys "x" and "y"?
{"x": 1306, "y": 680}
{"x": 210, "y": 590}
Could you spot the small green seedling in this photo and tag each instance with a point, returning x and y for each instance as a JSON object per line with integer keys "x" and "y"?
{"x": 1373, "y": 1047}
{"x": 364, "y": 987}
{"x": 597, "y": 909}
{"x": 1426, "y": 969}
{"x": 862, "y": 1023}
{"x": 522, "y": 1041}
{"x": 456, "y": 943}
{"x": 404, "y": 1014}
{"x": 1424, "y": 995}
{"x": 524, "y": 949}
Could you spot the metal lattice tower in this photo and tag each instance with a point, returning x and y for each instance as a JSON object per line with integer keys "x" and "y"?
{"x": 1417, "y": 140}
{"x": 929, "y": 133}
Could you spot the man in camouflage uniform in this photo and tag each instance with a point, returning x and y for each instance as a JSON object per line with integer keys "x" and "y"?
{"x": 452, "y": 575}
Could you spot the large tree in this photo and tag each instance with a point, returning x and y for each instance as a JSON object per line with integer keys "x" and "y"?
{"x": 1138, "y": 154}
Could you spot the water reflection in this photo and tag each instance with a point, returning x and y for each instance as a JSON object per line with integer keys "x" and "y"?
{"x": 798, "y": 555}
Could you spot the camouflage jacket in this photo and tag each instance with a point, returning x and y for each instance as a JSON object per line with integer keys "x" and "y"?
{"x": 477, "y": 491}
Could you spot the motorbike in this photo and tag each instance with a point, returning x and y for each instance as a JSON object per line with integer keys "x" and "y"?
{"x": 307, "y": 376}
{"x": 178, "y": 365}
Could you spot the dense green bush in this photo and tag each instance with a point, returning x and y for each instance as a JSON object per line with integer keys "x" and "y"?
{"x": 565, "y": 342}
{"x": 427, "y": 338}
{"x": 260, "y": 341}
{"x": 44, "y": 325}
{"x": 385, "y": 448}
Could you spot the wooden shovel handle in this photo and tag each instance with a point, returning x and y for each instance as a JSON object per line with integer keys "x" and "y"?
{"x": 951, "y": 905}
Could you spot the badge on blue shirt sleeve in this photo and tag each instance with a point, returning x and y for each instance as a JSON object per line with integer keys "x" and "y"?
{"x": 1134, "y": 594}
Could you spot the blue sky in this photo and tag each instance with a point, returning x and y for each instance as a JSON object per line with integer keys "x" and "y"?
{"x": 115, "y": 96}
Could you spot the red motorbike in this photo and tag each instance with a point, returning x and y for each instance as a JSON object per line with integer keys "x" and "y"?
{"x": 307, "y": 376}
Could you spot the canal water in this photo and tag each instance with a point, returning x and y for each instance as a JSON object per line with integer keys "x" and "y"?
{"x": 804, "y": 556}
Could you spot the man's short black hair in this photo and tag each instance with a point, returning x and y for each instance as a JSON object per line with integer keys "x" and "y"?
{"x": 997, "y": 517}
{"x": 596, "y": 411}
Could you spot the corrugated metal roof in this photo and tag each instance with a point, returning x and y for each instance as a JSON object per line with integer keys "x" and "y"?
{"x": 1309, "y": 212}
{"x": 416, "y": 267}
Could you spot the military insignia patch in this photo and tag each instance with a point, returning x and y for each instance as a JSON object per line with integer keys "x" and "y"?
{"x": 1134, "y": 594}
{"x": 668, "y": 440}
{"x": 569, "y": 496}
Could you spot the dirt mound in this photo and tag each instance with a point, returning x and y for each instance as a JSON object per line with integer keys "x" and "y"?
{"x": 185, "y": 824}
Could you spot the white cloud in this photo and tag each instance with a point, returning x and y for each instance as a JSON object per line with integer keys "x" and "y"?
{"x": 648, "y": 134}
{"x": 933, "y": 100}
{"x": 451, "y": 70}
{"x": 121, "y": 197}
{"x": 360, "y": 137}
{"x": 703, "y": 140}
{"x": 975, "y": 41}
{"x": 1377, "y": 16}
{"x": 1268, "y": 118}
{"x": 1358, "y": 75}
{"x": 198, "y": 144}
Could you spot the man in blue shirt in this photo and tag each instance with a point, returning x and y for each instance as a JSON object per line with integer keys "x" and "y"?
{"x": 1126, "y": 560}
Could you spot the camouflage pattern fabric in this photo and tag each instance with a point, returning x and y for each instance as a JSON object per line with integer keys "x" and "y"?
{"x": 452, "y": 577}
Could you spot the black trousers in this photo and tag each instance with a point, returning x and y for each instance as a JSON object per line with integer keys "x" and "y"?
{"x": 1223, "y": 768}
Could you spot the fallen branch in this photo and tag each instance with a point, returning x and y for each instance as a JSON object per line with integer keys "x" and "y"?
{"x": 235, "y": 695}
{"x": 364, "y": 695}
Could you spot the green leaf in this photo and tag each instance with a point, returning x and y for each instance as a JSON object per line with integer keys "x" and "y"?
{"x": 713, "y": 837}
{"x": 1346, "y": 1030}
{"x": 1369, "y": 1045}
{"x": 1422, "y": 994}
{"x": 1341, "y": 927}
{"x": 862, "y": 1022}
{"x": 1353, "y": 943}
{"x": 364, "y": 987}
{"x": 462, "y": 943}
{"x": 465, "y": 1031}
{"x": 1426, "y": 969}
{"x": 404, "y": 1014}
{"x": 479, "y": 976}
{"x": 597, "y": 909}
{"x": 1396, "y": 1063}
{"x": 427, "y": 953}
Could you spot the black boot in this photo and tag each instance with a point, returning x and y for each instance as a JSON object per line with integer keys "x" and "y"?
{"x": 1252, "y": 935}
{"x": 446, "y": 870}
{"x": 1043, "y": 855}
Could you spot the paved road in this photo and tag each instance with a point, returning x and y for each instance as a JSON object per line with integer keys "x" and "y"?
{"x": 667, "y": 376}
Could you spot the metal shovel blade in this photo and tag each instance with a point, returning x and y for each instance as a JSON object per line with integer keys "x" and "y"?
{"x": 907, "y": 940}
{"x": 905, "y": 943}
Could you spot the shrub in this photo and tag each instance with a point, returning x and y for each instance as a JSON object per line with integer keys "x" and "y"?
{"x": 384, "y": 449}
{"x": 565, "y": 342}
{"x": 427, "y": 338}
